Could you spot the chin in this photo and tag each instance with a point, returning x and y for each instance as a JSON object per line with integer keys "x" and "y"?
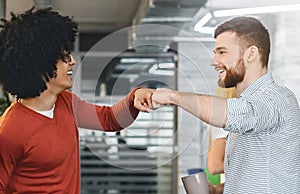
{"x": 221, "y": 84}
{"x": 69, "y": 87}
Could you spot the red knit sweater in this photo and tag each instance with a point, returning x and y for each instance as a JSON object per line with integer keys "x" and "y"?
{"x": 41, "y": 155}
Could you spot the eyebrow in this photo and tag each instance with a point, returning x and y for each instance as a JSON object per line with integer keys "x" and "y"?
{"x": 219, "y": 48}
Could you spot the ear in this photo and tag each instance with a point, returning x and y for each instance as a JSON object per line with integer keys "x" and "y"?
{"x": 251, "y": 54}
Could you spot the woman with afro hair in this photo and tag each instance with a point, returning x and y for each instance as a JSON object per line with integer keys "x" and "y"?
{"x": 39, "y": 141}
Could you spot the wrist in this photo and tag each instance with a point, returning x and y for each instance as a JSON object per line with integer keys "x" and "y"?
{"x": 173, "y": 96}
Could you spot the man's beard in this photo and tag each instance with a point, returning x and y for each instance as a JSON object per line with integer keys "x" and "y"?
{"x": 233, "y": 76}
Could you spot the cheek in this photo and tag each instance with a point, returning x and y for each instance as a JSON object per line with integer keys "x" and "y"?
{"x": 234, "y": 62}
{"x": 61, "y": 71}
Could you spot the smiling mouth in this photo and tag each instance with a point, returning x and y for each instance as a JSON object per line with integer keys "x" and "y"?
{"x": 70, "y": 72}
{"x": 220, "y": 70}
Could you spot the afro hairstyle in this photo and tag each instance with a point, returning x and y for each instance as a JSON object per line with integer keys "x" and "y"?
{"x": 31, "y": 44}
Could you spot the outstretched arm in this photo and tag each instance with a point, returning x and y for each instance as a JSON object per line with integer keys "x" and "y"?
{"x": 210, "y": 109}
{"x": 111, "y": 118}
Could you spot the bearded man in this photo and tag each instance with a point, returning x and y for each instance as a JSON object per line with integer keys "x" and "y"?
{"x": 263, "y": 147}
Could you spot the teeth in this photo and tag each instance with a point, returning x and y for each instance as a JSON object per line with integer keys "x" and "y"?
{"x": 69, "y": 72}
{"x": 221, "y": 71}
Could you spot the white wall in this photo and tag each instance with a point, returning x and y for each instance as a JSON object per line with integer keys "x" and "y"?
{"x": 285, "y": 63}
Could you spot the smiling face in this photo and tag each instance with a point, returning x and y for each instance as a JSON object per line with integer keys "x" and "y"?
{"x": 228, "y": 60}
{"x": 64, "y": 72}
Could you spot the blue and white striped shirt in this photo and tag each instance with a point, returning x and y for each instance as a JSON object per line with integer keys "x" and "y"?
{"x": 263, "y": 144}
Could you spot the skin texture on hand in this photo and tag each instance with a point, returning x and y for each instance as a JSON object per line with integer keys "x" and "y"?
{"x": 163, "y": 96}
{"x": 217, "y": 189}
{"x": 210, "y": 109}
{"x": 143, "y": 99}
{"x": 156, "y": 105}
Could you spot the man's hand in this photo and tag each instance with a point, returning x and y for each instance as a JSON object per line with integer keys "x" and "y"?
{"x": 211, "y": 189}
{"x": 143, "y": 99}
{"x": 217, "y": 189}
{"x": 164, "y": 96}
{"x": 156, "y": 105}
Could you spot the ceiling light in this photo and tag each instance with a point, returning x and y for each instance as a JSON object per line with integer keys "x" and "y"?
{"x": 166, "y": 65}
{"x": 137, "y": 60}
{"x": 164, "y": 72}
{"x": 200, "y": 26}
{"x": 257, "y": 10}
{"x": 206, "y": 30}
{"x": 202, "y": 22}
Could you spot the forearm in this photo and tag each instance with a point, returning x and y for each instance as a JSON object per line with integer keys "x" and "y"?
{"x": 216, "y": 153}
{"x": 210, "y": 109}
{"x": 124, "y": 111}
{"x": 107, "y": 118}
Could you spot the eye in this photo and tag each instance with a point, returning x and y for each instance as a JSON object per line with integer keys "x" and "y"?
{"x": 66, "y": 57}
{"x": 222, "y": 52}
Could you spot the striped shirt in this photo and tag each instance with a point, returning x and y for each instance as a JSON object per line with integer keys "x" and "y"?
{"x": 263, "y": 144}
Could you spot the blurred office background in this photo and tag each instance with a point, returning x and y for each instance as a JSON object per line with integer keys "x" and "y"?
{"x": 123, "y": 44}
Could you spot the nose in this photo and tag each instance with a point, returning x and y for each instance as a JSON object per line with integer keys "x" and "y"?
{"x": 214, "y": 61}
{"x": 72, "y": 60}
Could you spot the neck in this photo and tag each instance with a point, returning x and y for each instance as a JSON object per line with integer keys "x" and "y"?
{"x": 249, "y": 78}
{"x": 43, "y": 102}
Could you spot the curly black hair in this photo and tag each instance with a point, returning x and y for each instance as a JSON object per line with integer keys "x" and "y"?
{"x": 30, "y": 46}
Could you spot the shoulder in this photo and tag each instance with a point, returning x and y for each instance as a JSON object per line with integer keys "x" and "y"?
{"x": 12, "y": 124}
{"x": 9, "y": 116}
{"x": 69, "y": 100}
{"x": 66, "y": 97}
{"x": 280, "y": 95}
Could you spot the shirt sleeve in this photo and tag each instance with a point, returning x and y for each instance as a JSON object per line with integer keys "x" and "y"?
{"x": 107, "y": 118}
{"x": 247, "y": 115}
{"x": 218, "y": 133}
{"x": 10, "y": 152}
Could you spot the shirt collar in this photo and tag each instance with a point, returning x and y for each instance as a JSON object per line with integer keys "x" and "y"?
{"x": 256, "y": 84}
